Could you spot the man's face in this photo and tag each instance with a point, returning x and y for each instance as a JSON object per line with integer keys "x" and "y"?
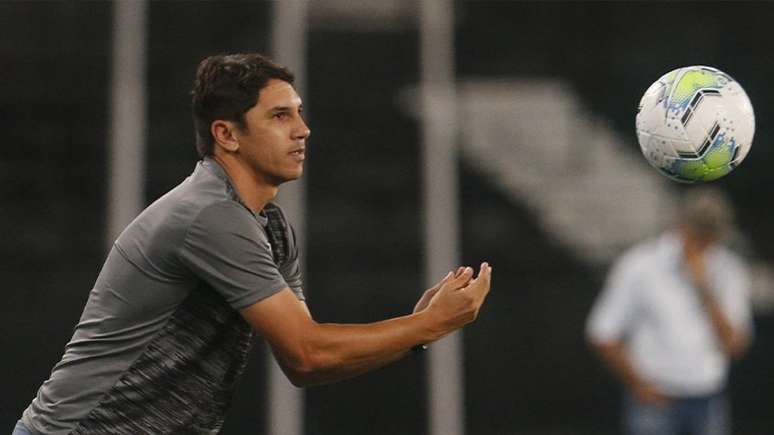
{"x": 274, "y": 140}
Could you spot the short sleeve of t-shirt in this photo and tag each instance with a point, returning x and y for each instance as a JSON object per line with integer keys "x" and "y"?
{"x": 615, "y": 307}
{"x": 226, "y": 247}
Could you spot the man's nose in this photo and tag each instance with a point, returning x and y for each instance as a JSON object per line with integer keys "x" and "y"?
{"x": 301, "y": 130}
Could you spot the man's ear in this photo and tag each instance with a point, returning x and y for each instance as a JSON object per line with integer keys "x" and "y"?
{"x": 224, "y": 134}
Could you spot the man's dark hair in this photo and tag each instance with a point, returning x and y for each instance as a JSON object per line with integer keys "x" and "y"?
{"x": 227, "y": 86}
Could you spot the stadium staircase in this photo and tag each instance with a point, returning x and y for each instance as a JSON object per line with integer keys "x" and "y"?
{"x": 533, "y": 138}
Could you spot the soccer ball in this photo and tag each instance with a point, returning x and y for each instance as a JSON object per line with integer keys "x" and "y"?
{"x": 695, "y": 124}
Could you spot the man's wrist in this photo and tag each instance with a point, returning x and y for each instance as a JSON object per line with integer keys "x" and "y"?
{"x": 426, "y": 321}
{"x": 420, "y": 348}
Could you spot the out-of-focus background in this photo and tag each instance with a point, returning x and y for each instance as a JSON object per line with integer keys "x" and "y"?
{"x": 523, "y": 111}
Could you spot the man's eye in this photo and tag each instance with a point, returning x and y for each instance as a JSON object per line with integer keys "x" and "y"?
{"x": 280, "y": 115}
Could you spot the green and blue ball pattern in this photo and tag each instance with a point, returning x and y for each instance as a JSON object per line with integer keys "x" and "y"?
{"x": 718, "y": 159}
{"x": 691, "y": 82}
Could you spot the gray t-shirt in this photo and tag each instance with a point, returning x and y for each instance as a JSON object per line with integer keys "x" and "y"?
{"x": 160, "y": 344}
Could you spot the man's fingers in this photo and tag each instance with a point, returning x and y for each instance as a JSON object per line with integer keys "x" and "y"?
{"x": 443, "y": 281}
{"x": 428, "y": 295}
{"x": 481, "y": 284}
{"x": 461, "y": 278}
{"x": 485, "y": 272}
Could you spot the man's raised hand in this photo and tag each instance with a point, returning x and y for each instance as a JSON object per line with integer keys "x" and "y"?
{"x": 458, "y": 299}
{"x": 429, "y": 293}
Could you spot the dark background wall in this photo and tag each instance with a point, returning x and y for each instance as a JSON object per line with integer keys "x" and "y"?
{"x": 611, "y": 52}
{"x": 528, "y": 370}
{"x": 53, "y": 105}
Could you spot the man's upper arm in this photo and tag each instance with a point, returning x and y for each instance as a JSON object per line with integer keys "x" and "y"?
{"x": 281, "y": 319}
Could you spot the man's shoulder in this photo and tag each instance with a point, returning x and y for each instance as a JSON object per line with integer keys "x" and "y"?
{"x": 646, "y": 249}
{"x": 220, "y": 214}
{"x": 164, "y": 223}
{"x": 641, "y": 258}
{"x": 203, "y": 189}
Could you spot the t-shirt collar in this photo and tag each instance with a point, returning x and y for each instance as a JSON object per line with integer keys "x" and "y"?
{"x": 213, "y": 166}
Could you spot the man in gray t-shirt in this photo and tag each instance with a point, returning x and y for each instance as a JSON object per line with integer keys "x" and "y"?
{"x": 161, "y": 321}
{"x": 166, "y": 329}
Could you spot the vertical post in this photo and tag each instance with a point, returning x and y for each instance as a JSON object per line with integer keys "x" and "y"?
{"x": 127, "y": 141}
{"x": 442, "y": 252}
{"x": 286, "y": 412}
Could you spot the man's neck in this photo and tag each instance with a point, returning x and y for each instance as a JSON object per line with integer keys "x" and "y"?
{"x": 252, "y": 188}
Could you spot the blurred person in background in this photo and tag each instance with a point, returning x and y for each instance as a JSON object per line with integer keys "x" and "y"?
{"x": 672, "y": 315}
{"x": 165, "y": 333}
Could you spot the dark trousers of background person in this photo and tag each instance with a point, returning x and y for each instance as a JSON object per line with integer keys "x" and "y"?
{"x": 20, "y": 429}
{"x": 702, "y": 415}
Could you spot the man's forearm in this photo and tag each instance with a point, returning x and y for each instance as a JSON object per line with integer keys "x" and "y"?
{"x": 732, "y": 342}
{"x": 615, "y": 357}
{"x": 333, "y": 352}
{"x": 311, "y": 352}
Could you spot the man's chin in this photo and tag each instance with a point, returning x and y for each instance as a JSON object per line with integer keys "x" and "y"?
{"x": 290, "y": 176}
